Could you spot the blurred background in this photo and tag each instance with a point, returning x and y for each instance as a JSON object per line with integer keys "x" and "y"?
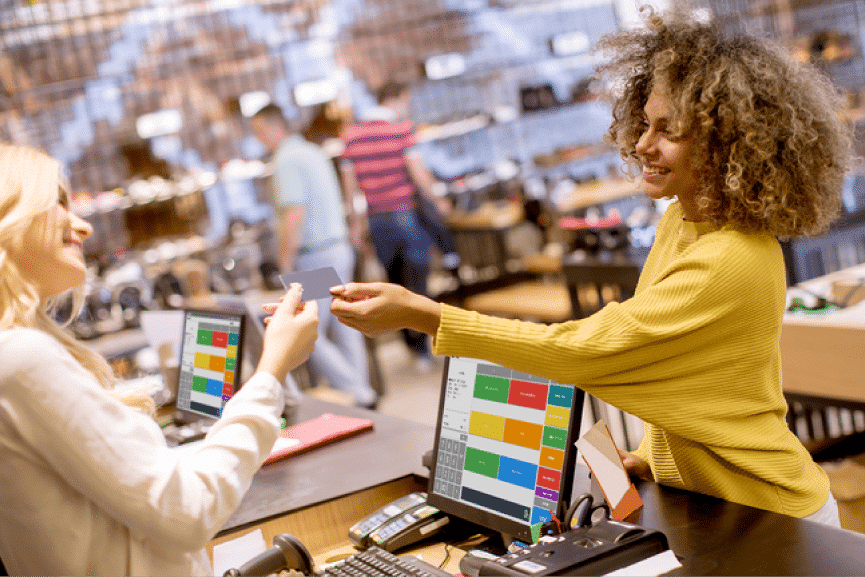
{"x": 146, "y": 103}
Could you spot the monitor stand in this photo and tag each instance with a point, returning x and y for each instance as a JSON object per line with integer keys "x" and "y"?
{"x": 185, "y": 428}
{"x": 479, "y": 551}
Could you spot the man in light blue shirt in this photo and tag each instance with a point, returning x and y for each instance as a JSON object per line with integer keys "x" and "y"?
{"x": 311, "y": 226}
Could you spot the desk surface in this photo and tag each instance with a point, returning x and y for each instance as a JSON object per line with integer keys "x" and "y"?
{"x": 391, "y": 451}
{"x": 599, "y": 192}
{"x": 709, "y": 535}
{"x": 715, "y": 537}
{"x": 821, "y": 355}
{"x": 489, "y": 216}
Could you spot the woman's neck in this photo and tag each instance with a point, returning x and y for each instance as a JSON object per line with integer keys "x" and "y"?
{"x": 690, "y": 211}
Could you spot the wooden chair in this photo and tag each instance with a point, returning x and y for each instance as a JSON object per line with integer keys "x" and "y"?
{"x": 829, "y": 428}
{"x": 482, "y": 249}
{"x": 626, "y": 429}
{"x": 602, "y": 278}
{"x": 609, "y": 276}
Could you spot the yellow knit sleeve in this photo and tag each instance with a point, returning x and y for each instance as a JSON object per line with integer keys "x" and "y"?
{"x": 712, "y": 316}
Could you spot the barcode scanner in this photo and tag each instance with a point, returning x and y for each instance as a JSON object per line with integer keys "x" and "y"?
{"x": 287, "y": 553}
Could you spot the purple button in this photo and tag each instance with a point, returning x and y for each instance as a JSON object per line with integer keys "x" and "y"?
{"x": 548, "y": 494}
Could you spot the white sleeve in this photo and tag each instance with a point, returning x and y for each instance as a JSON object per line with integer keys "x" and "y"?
{"x": 118, "y": 457}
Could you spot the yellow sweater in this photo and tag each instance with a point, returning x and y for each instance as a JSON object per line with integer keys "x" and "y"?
{"x": 694, "y": 354}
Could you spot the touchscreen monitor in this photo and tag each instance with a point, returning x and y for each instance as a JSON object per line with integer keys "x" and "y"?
{"x": 504, "y": 449}
{"x": 210, "y": 360}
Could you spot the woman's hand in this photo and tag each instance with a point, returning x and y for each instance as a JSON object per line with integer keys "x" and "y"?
{"x": 290, "y": 335}
{"x": 378, "y": 308}
{"x": 636, "y": 467}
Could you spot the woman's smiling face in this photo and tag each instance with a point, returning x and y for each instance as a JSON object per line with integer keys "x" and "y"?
{"x": 51, "y": 255}
{"x": 668, "y": 170}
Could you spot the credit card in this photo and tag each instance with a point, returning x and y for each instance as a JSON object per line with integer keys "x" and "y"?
{"x": 316, "y": 283}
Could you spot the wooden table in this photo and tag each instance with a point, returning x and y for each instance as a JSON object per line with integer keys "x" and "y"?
{"x": 392, "y": 451}
{"x": 490, "y": 215}
{"x": 710, "y": 536}
{"x": 715, "y": 537}
{"x": 535, "y": 300}
{"x": 319, "y": 495}
{"x": 598, "y": 192}
{"x": 824, "y": 356}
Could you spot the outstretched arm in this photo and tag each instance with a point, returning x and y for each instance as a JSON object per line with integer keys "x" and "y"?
{"x": 378, "y": 308}
{"x": 290, "y": 234}
{"x": 357, "y": 224}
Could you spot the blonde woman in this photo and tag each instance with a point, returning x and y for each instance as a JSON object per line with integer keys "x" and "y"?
{"x": 89, "y": 485}
{"x": 751, "y": 146}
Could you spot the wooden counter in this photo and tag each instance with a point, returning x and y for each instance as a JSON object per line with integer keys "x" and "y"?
{"x": 824, "y": 355}
{"x": 599, "y": 192}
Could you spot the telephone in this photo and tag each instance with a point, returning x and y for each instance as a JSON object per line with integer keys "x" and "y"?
{"x": 398, "y": 524}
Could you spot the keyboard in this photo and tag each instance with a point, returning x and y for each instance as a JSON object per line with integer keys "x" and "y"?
{"x": 376, "y": 562}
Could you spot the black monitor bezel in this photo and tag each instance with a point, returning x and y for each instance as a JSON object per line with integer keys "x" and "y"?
{"x": 253, "y": 322}
{"x": 183, "y": 415}
{"x": 492, "y": 521}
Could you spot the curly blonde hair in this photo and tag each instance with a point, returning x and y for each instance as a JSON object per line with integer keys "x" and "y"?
{"x": 30, "y": 184}
{"x": 771, "y": 150}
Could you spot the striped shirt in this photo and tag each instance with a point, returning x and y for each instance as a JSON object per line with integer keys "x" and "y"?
{"x": 377, "y": 152}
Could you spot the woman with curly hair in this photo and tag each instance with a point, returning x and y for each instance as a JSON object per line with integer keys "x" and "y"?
{"x": 751, "y": 146}
{"x": 89, "y": 485}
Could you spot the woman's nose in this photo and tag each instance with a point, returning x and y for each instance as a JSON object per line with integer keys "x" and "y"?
{"x": 644, "y": 143}
{"x": 81, "y": 227}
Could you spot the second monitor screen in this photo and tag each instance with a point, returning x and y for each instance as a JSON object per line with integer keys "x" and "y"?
{"x": 505, "y": 445}
{"x": 210, "y": 361}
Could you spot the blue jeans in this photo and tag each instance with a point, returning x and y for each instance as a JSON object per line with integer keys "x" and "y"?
{"x": 402, "y": 246}
{"x": 340, "y": 351}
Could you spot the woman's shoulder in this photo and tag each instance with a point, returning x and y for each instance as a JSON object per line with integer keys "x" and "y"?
{"x": 22, "y": 346}
{"x": 34, "y": 358}
{"x": 752, "y": 262}
{"x": 710, "y": 241}
{"x": 745, "y": 245}
{"x": 722, "y": 252}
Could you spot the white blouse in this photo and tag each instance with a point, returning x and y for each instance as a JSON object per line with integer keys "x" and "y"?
{"x": 89, "y": 486}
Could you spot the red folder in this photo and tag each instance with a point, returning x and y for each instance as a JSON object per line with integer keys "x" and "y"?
{"x": 318, "y": 432}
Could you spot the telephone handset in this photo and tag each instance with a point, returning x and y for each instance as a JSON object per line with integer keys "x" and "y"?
{"x": 403, "y": 522}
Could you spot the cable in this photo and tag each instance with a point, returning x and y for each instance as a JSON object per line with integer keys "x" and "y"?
{"x": 603, "y": 506}
{"x": 582, "y": 511}
{"x": 586, "y": 500}
{"x": 447, "y": 556}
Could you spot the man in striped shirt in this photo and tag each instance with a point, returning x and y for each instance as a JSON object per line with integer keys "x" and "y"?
{"x": 378, "y": 164}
